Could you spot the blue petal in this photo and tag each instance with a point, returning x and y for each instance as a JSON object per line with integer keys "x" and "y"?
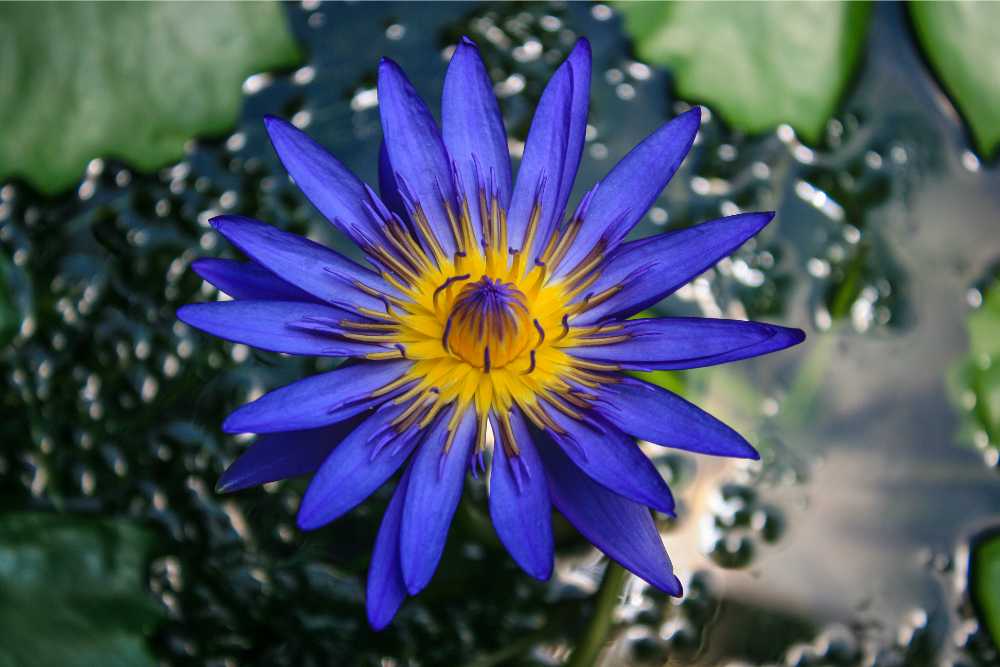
{"x": 473, "y": 128}
{"x": 652, "y": 268}
{"x": 540, "y": 175}
{"x": 622, "y": 529}
{"x": 415, "y": 149}
{"x": 325, "y": 274}
{"x": 329, "y": 185}
{"x": 431, "y": 499}
{"x": 519, "y": 502}
{"x": 246, "y": 280}
{"x": 388, "y": 187}
{"x": 654, "y": 414}
{"x": 353, "y": 471}
{"x": 629, "y": 189}
{"x": 278, "y": 326}
{"x": 386, "y": 590}
{"x": 579, "y": 63}
{"x": 282, "y": 455}
{"x": 316, "y": 401}
{"x": 614, "y": 460}
{"x": 674, "y": 343}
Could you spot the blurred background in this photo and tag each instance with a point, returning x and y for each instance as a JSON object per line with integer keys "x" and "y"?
{"x": 868, "y": 535}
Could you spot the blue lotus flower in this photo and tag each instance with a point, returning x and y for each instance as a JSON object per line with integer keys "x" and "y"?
{"x": 489, "y": 324}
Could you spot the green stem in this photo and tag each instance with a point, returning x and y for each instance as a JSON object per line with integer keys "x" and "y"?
{"x": 596, "y": 635}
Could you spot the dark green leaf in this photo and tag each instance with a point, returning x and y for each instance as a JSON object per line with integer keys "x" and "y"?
{"x": 72, "y": 592}
{"x": 974, "y": 382}
{"x": 960, "y": 40}
{"x": 132, "y": 81}
{"x": 986, "y": 582}
{"x": 757, "y": 64}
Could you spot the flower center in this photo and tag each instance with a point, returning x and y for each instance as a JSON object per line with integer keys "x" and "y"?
{"x": 489, "y": 325}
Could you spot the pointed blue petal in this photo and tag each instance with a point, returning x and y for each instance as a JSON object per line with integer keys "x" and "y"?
{"x": 632, "y": 186}
{"x": 388, "y": 188}
{"x": 654, "y": 414}
{"x": 622, "y": 529}
{"x": 275, "y": 325}
{"x": 613, "y": 459}
{"x": 579, "y": 63}
{"x": 673, "y": 343}
{"x": 353, "y": 471}
{"x": 416, "y": 150}
{"x": 386, "y": 590}
{"x": 246, "y": 280}
{"x": 318, "y": 400}
{"x": 652, "y": 268}
{"x": 431, "y": 499}
{"x": 322, "y": 272}
{"x": 540, "y": 175}
{"x": 519, "y": 502}
{"x": 281, "y": 456}
{"x": 329, "y": 185}
{"x": 473, "y": 128}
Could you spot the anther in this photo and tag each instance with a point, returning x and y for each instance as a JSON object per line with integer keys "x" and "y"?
{"x": 531, "y": 368}
{"x": 447, "y": 330}
{"x": 446, "y": 284}
{"x": 541, "y": 332}
{"x": 565, "y": 325}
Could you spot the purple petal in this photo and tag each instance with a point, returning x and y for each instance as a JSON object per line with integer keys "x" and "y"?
{"x": 415, "y": 149}
{"x": 613, "y": 459}
{"x": 431, "y": 499}
{"x": 316, "y": 401}
{"x": 622, "y": 529}
{"x": 674, "y": 343}
{"x": 386, "y": 590}
{"x": 654, "y": 414}
{"x": 541, "y": 170}
{"x": 353, "y": 471}
{"x": 652, "y": 268}
{"x": 328, "y": 184}
{"x": 519, "y": 502}
{"x": 473, "y": 128}
{"x": 246, "y": 280}
{"x": 282, "y": 455}
{"x": 629, "y": 189}
{"x": 278, "y": 326}
{"x": 325, "y": 274}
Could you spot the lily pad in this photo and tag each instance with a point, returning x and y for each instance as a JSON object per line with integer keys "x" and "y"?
{"x": 986, "y": 582}
{"x": 132, "y": 81}
{"x": 757, "y": 64}
{"x": 974, "y": 381}
{"x": 72, "y": 592}
{"x": 959, "y": 39}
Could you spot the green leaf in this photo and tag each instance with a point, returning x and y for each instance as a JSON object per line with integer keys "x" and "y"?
{"x": 132, "y": 81}
{"x": 675, "y": 381}
{"x": 960, "y": 41}
{"x": 756, "y": 64}
{"x": 974, "y": 381}
{"x": 72, "y": 592}
{"x": 986, "y": 582}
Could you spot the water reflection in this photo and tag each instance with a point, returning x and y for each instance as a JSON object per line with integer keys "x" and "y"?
{"x": 847, "y": 545}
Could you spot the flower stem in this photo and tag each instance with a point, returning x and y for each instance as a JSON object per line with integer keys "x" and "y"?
{"x": 595, "y": 636}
